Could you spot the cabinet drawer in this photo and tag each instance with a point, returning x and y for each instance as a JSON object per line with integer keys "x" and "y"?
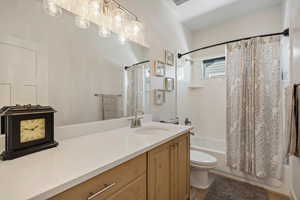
{"x": 134, "y": 191}
{"x": 107, "y": 183}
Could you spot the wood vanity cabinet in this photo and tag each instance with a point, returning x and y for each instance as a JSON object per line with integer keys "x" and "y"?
{"x": 169, "y": 170}
{"x": 160, "y": 174}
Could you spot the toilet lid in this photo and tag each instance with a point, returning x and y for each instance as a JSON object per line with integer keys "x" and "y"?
{"x": 202, "y": 159}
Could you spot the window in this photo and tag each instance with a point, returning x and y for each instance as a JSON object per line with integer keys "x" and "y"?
{"x": 213, "y": 68}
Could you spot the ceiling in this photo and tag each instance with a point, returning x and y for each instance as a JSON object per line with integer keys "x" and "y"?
{"x": 196, "y": 14}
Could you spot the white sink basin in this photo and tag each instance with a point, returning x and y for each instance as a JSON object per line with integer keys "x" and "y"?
{"x": 150, "y": 130}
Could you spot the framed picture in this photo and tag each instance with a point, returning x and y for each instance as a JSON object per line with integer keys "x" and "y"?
{"x": 169, "y": 58}
{"x": 159, "y": 68}
{"x": 159, "y": 97}
{"x": 169, "y": 84}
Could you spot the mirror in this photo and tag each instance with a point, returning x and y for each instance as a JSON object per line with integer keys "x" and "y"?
{"x": 49, "y": 61}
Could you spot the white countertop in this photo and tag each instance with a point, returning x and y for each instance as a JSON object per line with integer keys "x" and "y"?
{"x": 44, "y": 174}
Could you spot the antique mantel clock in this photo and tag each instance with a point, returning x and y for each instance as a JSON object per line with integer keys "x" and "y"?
{"x": 27, "y": 129}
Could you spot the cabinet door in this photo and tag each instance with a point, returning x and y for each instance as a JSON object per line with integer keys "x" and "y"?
{"x": 169, "y": 170}
{"x": 159, "y": 173}
{"x": 183, "y": 170}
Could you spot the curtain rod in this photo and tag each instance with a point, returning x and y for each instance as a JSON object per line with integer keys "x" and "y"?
{"x": 139, "y": 63}
{"x": 286, "y": 33}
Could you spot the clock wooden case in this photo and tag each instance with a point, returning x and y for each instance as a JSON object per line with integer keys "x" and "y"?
{"x": 27, "y": 129}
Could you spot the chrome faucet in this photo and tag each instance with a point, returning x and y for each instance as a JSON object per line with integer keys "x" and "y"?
{"x": 136, "y": 121}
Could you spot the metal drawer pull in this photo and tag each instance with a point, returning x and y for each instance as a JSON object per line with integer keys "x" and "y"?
{"x": 107, "y": 187}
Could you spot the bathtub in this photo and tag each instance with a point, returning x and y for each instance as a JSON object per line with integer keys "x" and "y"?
{"x": 208, "y": 144}
{"x": 217, "y": 148}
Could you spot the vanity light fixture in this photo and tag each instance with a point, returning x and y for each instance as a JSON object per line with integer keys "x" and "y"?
{"x": 109, "y": 15}
{"x": 118, "y": 17}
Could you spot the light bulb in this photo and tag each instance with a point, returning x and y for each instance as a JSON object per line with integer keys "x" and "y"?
{"x": 51, "y": 8}
{"x": 122, "y": 38}
{"x": 104, "y": 32}
{"x": 81, "y": 22}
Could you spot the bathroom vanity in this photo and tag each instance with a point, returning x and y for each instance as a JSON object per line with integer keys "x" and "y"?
{"x": 151, "y": 162}
{"x": 159, "y": 174}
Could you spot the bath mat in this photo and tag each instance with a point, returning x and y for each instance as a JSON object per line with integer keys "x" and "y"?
{"x": 228, "y": 189}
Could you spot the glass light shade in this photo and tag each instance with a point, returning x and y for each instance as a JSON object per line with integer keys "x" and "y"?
{"x": 82, "y": 22}
{"x": 128, "y": 30}
{"x": 105, "y": 26}
{"x": 118, "y": 17}
{"x": 95, "y": 7}
{"x": 126, "y": 26}
{"x": 136, "y": 27}
{"x": 51, "y": 8}
{"x": 133, "y": 28}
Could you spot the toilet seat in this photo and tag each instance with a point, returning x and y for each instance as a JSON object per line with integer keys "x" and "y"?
{"x": 202, "y": 159}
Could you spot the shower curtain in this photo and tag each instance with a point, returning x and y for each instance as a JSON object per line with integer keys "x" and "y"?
{"x": 135, "y": 90}
{"x": 254, "y": 107}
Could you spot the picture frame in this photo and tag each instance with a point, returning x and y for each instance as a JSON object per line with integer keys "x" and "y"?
{"x": 169, "y": 58}
{"x": 159, "y": 68}
{"x": 169, "y": 84}
{"x": 159, "y": 97}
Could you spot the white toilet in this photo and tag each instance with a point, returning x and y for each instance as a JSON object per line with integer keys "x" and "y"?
{"x": 201, "y": 164}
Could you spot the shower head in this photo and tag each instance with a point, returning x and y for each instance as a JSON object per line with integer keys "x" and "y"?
{"x": 189, "y": 60}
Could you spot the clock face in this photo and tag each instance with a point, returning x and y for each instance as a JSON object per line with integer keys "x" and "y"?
{"x": 32, "y": 130}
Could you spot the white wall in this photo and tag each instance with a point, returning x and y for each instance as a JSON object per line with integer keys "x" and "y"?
{"x": 207, "y": 106}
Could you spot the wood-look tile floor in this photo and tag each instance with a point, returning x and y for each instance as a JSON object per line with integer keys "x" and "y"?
{"x": 197, "y": 194}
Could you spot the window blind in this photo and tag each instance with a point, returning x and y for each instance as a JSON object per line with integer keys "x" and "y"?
{"x": 214, "y": 68}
